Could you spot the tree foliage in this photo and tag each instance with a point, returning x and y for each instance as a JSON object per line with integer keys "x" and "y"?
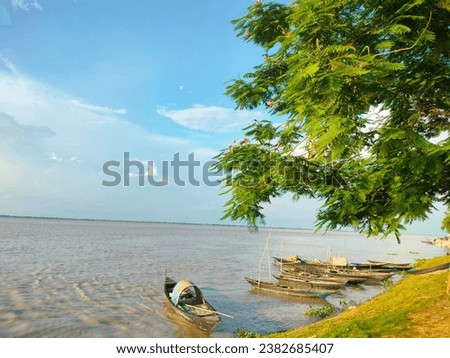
{"x": 357, "y": 96}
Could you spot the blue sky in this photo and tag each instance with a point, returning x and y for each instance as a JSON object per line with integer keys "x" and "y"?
{"x": 82, "y": 82}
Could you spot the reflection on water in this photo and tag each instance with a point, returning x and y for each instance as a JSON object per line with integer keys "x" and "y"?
{"x": 67, "y": 278}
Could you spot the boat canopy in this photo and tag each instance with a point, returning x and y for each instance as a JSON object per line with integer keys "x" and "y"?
{"x": 339, "y": 261}
{"x": 185, "y": 289}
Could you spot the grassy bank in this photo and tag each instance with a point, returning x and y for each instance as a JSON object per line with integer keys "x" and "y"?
{"x": 416, "y": 306}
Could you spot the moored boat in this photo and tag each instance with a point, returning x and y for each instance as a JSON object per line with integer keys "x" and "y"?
{"x": 322, "y": 277}
{"x": 187, "y": 301}
{"x": 444, "y": 266}
{"x": 308, "y": 283}
{"x": 337, "y": 262}
{"x": 286, "y": 290}
{"x": 391, "y": 265}
{"x": 369, "y": 276}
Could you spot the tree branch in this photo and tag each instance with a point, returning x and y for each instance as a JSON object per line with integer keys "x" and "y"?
{"x": 411, "y": 47}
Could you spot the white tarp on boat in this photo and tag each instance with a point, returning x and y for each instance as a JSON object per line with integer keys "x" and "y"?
{"x": 179, "y": 288}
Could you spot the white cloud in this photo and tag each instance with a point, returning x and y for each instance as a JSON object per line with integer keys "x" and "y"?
{"x": 53, "y": 148}
{"x": 98, "y": 109}
{"x": 26, "y": 4}
{"x": 55, "y": 157}
{"x": 9, "y": 66}
{"x": 213, "y": 119}
{"x": 52, "y": 151}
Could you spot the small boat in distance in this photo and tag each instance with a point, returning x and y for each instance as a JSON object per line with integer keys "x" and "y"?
{"x": 187, "y": 301}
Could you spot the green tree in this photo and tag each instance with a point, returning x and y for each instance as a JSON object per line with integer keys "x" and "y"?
{"x": 357, "y": 98}
{"x": 446, "y": 222}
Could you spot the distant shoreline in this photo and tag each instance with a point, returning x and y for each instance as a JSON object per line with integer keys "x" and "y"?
{"x": 436, "y": 236}
{"x": 114, "y": 220}
{"x": 149, "y": 222}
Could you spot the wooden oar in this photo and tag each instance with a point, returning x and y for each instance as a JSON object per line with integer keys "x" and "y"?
{"x": 205, "y": 309}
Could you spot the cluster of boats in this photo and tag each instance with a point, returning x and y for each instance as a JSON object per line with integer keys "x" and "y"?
{"x": 297, "y": 278}
{"x": 314, "y": 278}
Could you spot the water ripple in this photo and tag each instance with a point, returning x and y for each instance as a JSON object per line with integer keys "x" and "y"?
{"x": 64, "y": 278}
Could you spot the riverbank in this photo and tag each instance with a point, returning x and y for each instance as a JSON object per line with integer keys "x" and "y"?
{"x": 416, "y": 306}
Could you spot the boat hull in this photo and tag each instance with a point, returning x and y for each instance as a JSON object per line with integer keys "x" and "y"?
{"x": 201, "y": 316}
{"x": 308, "y": 284}
{"x": 293, "y": 273}
{"x": 285, "y": 290}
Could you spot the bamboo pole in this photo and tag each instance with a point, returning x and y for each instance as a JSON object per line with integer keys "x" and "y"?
{"x": 266, "y": 249}
{"x": 268, "y": 256}
{"x": 208, "y": 310}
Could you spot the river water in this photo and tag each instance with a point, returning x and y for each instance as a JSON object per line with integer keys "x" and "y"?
{"x": 76, "y": 278}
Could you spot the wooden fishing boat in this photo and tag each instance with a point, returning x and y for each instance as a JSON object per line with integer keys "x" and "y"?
{"x": 287, "y": 262}
{"x": 187, "y": 301}
{"x": 301, "y": 266}
{"x": 312, "y": 266}
{"x": 369, "y": 276}
{"x": 286, "y": 290}
{"x": 391, "y": 265}
{"x": 322, "y": 277}
{"x": 339, "y": 262}
{"x": 373, "y": 266}
{"x": 308, "y": 283}
{"x": 445, "y": 266}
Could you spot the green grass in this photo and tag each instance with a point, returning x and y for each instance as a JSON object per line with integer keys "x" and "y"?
{"x": 321, "y": 312}
{"x": 405, "y": 310}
